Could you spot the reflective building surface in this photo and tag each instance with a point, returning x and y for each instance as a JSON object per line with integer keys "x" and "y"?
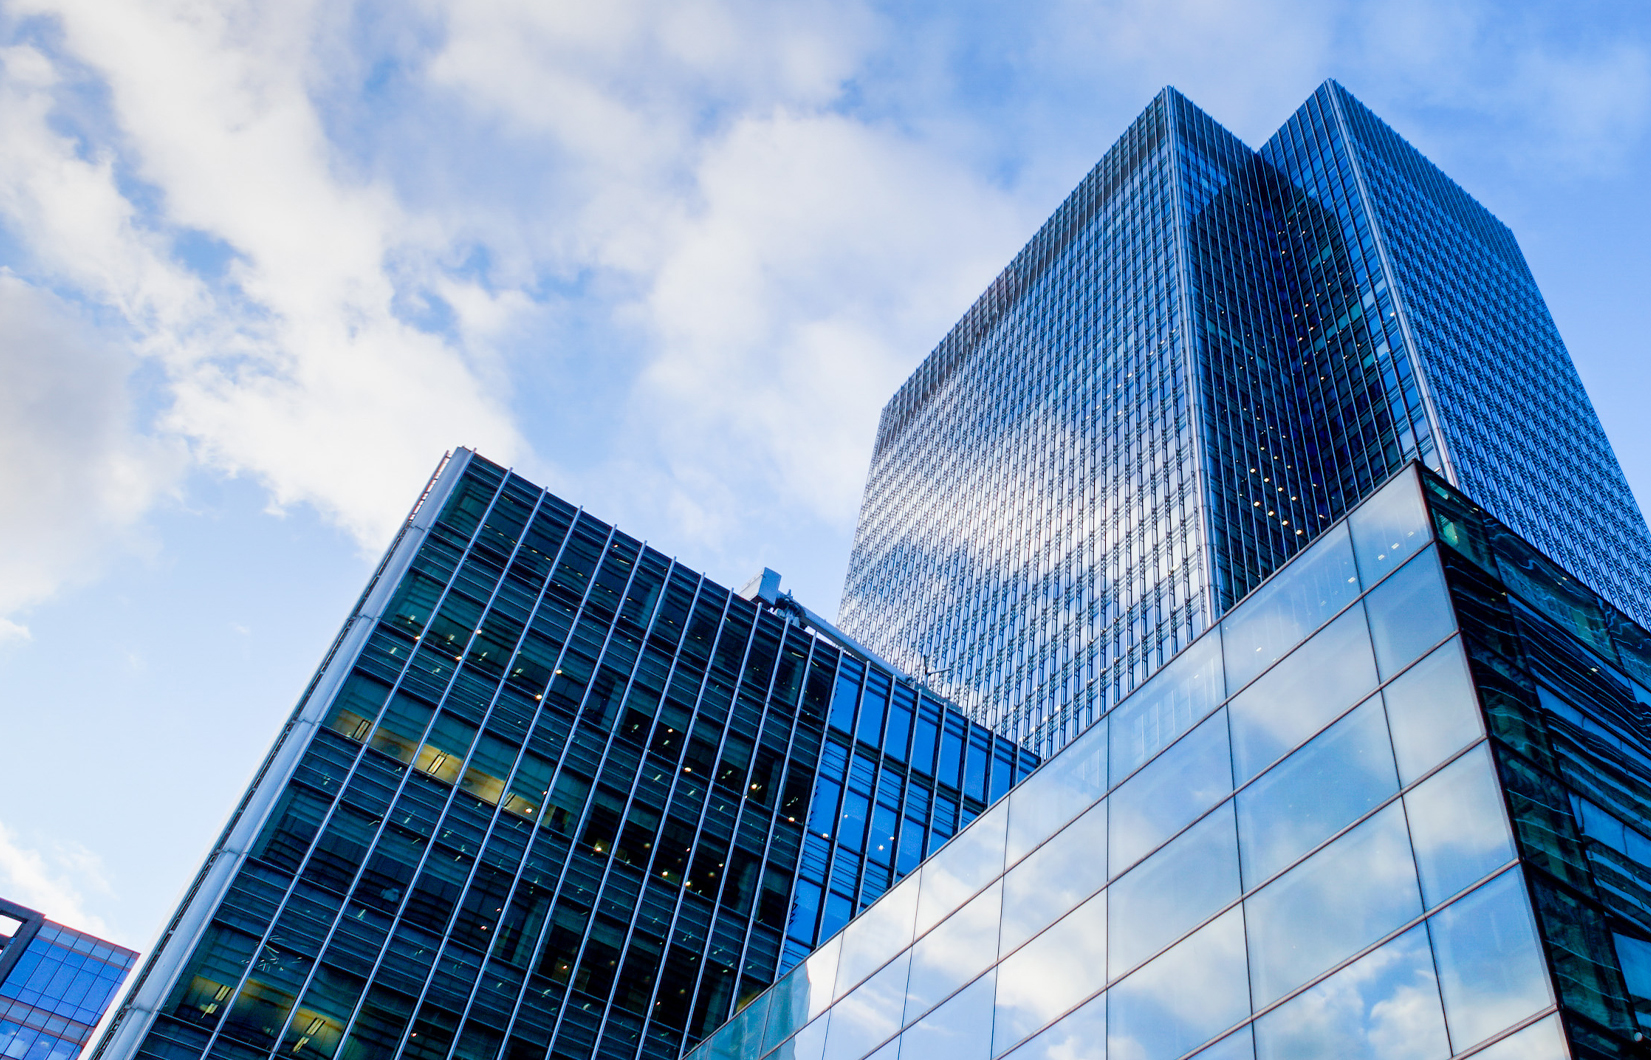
{"x": 1205, "y": 357}
{"x": 55, "y": 983}
{"x": 1394, "y": 805}
{"x": 551, "y": 794}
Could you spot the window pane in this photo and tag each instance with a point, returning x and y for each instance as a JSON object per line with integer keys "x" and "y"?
{"x": 954, "y": 952}
{"x": 1063, "y": 872}
{"x": 1332, "y": 781}
{"x": 1283, "y": 612}
{"x": 1343, "y": 898}
{"x": 1067, "y": 785}
{"x": 1173, "y": 790}
{"x": 1409, "y": 613}
{"x": 1080, "y": 1036}
{"x": 966, "y": 864}
{"x": 809, "y": 1044}
{"x": 1458, "y": 826}
{"x": 1173, "y": 701}
{"x": 1384, "y": 1006}
{"x": 1542, "y": 1040}
{"x": 1183, "y": 998}
{"x": 1635, "y": 957}
{"x": 1169, "y": 893}
{"x": 1302, "y": 694}
{"x": 1490, "y": 966}
{"x": 1433, "y": 711}
{"x": 1240, "y": 1045}
{"x": 869, "y": 1015}
{"x": 1051, "y": 974}
{"x": 880, "y": 932}
{"x": 1389, "y": 527}
{"x": 961, "y": 1029}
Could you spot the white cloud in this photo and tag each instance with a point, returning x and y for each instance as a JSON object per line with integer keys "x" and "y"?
{"x": 53, "y": 880}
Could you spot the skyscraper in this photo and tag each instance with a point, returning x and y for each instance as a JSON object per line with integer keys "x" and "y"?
{"x": 1396, "y": 803}
{"x": 551, "y": 794}
{"x": 55, "y": 983}
{"x": 1202, "y": 359}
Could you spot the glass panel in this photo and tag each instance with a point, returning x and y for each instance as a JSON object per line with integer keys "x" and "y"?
{"x": 1176, "y": 698}
{"x": 1317, "y": 791}
{"x": 1409, "y": 613}
{"x": 1236, "y": 1046}
{"x": 1067, "y": 785}
{"x": 869, "y": 1015}
{"x": 1542, "y": 1040}
{"x": 819, "y": 973}
{"x": 809, "y": 1044}
{"x": 1080, "y": 1036}
{"x": 1271, "y": 621}
{"x": 1343, "y": 898}
{"x": 1433, "y": 711}
{"x": 1062, "y": 873}
{"x": 1458, "y": 826}
{"x": 877, "y": 934}
{"x": 1490, "y": 965}
{"x": 1635, "y": 957}
{"x": 1173, "y": 790}
{"x": 961, "y": 1029}
{"x": 1384, "y": 1006}
{"x": 1050, "y": 974}
{"x": 966, "y": 864}
{"x": 954, "y": 952}
{"x": 1182, "y": 999}
{"x": 1175, "y": 889}
{"x": 1302, "y": 694}
{"x": 1389, "y": 527}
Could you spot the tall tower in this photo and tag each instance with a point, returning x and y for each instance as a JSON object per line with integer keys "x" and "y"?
{"x": 1202, "y": 359}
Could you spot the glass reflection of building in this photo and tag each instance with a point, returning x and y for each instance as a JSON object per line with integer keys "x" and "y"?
{"x": 1202, "y": 359}
{"x": 551, "y": 794}
{"x": 1395, "y": 804}
{"x": 55, "y": 983}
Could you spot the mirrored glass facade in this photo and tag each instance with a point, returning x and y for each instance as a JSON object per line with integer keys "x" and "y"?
{"x": 550, "y": 795}
{"x": 55, "y": 983}
{"x": 1199, "y": 362}
{"x": 1390, "y": 806}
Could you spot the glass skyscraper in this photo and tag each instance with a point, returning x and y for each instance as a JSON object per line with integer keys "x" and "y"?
{"x": 1200, "y": 361}
{"x": 550, "y": 795}
{"x": 1395, "y": 804}
{"x": 55, "y": 983}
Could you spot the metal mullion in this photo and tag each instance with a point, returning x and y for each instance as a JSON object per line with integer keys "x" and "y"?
{"x": 395, "y": 918}
{"x": 281, "y": 907}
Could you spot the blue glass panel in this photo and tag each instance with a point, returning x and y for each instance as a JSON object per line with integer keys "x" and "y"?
{"x": 967, "y": 864}
{"x": 1458, "y": 826}
{"x": 1271, "y": 621}
{"x": 1239, "y": 1045}
{"x": 1175, "y": 700}
{"x": 1384, "y": 1006}
{"x": 877, "y": 934}
{"x": 954, "y": 952}
{"x": 809, "y": 1044}
{"x": 1302, "y": 694}
{"x": 1069, "y": 784}
{"x": 1542, "y": 1040}
{"x": 1336, "y": 778}
{"x": 1635, "y": 957}
{"x": 1170, "y": 792}
{"x": 1343, "y": 898}
{"x": 1060, "y": 874}
{"x": 1389, "y": 527}
{"x": 1080, "y": 1036}
{"x": 1490, "y": 965}
{"x": 1051, "y": 974}
{"x": 961, "y": 1029}
{"x": 869, "y": 1015}
{"x": 1184, "y": 998}
{"x": 1410, "y": 612}
{"x": 1170, "y": 893}
{"x": 1433, "y": 711}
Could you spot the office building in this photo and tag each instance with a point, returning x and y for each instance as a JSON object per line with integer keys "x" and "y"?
{"x": 1201, "y": 360}
{"x": 55, "y": 983}
{"x": 1395, "y": 804}
{"x": 550, "y": 794}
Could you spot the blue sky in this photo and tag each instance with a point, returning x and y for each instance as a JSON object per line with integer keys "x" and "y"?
{"x": 261, "y": 264}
